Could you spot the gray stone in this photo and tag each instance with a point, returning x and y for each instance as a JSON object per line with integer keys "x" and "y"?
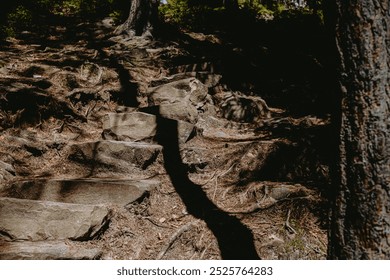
{"x": 198, "y": 94}
{"x": 22, "y": 219}
{"x": 47, "y": 250}
{"x": 138, "y": 126}
{"x": 182, "y": 100}
{"x": 170, "y": 92}
{"x": 183, "y": 110}
{"x": 116, "y": 155}
{"x": 208, "y": 79}
{"x": 7, "y": 167}
{"x": 81, "y": 191}
{"x": 7, "y": 172}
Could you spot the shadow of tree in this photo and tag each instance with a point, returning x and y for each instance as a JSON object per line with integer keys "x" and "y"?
{"x": 235, "y": 240}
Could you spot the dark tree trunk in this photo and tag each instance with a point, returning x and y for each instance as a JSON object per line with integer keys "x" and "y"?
{"x": 142, "y": 20}
{"x": 360, "y": 222}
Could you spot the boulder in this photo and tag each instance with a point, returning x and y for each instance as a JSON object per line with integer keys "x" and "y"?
{"x": 170, "y": 93}
{"x": 22, "y": 219}
{"x": 81, "y": 191}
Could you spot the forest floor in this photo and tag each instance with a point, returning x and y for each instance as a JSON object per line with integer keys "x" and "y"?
{"x": 226, "y": 176}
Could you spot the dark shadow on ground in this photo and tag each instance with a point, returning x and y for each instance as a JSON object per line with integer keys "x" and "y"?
{"x": 235, "y": 240}
{"x": 59, "y": 34}
{"x": 286, "y": 61}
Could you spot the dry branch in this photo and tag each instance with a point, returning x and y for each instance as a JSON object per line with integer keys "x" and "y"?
{"x": 174, "y": 237}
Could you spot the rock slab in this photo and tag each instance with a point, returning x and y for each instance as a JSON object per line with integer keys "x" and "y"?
{"x": 81, "y": 191}
{"x": 46, "y": 250}
{"x": 116, "y": 155}
{"x": 31, "y": 220}
{"x": 139, "y": 126}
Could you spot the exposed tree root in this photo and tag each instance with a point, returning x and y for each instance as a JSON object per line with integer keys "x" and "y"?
{"x": 174, "y": 237}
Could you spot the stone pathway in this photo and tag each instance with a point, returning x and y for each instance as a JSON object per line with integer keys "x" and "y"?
{"x": 42, "y": 218}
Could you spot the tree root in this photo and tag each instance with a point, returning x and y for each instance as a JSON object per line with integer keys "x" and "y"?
{"x": 174, "y": 237}
{"x": 287, "y": 225}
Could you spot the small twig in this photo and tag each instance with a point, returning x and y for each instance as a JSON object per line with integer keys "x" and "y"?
{"x": 39, "y": 125}
{"x": 90, "y": 109}
{"x": 220, "y": 175}
{"x": 60, "y": 128}
{"x": 174, "y": 237}
{"x": 227, "y": 171}
{"x": 155, "y": 223}
{"x": 287, "y": 225}
{"x": 204, "y": 251}
{"x": 138, "y": 252}
{"x": 316, "y": 250}
{"x": 209, "y": 180}
{"x": 193, "y": 255}
{"x": 216, "y": 187}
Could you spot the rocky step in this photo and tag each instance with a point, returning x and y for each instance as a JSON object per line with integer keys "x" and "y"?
{"x": 31, "y": 220}
{"x": 170, "y": 92}
{"x": 115, "y": 156}
{"x": 47, "y": 250}
{"x": 182, "y": 100}
{"x": 81, "y": 191}
{"x": 139, "y": 126}
{"x": 274, "y": 159}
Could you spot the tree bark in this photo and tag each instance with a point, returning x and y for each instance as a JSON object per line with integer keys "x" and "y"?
{"x": 142, "y": 20}
{"x": 360, "y": 220}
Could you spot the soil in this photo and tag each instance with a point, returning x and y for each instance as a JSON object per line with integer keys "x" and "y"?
{"x": 56, "y": 87}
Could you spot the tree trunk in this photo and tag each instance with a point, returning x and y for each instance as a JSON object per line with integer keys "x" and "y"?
{"x": 142, "y": 20}
{"x": 360, "y": 220}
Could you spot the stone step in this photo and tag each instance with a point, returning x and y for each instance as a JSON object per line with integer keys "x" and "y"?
{"x": 22, "y": 219}
{"x": 170, "y": 92}
{"x": 182, "y": 100}
{"x": 180, "y": 111}
{"x": 139, "y": 126}
{"x": 47, "y": 250}
{"x": 81, "y": 191}
{"x": 116, "y": 156}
